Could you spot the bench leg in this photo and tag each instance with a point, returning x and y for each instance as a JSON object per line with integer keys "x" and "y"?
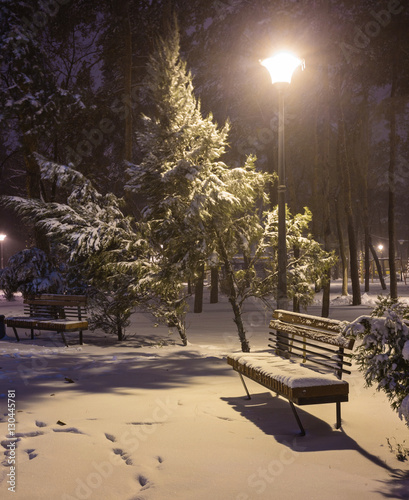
{"x": 297, "y": 418}
{"x": 64, "y": 339}
{"x": 81, "y": 342}
{"x": 32, "y": 333}
{"x": 16, "y": 334}
{"x": 245, "y": 386}
{"x": 338, "y": 424}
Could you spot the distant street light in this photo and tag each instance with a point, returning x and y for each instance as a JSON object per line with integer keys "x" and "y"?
{"x": 281, "y": 68}
{"x": 2, "y": 238}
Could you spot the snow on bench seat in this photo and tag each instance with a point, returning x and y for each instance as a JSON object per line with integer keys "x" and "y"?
{"x": 290, "y": 379}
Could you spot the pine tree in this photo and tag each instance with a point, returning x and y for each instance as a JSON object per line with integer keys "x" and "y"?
{"x": 179, "y": 149}
{"x": 31, "y": 99}
{"x": 195, "y": 205}
{"x": 383, "y": 353}
{"x": 106, "y": 247}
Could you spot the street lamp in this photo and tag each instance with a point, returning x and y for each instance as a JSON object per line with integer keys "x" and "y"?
{"x": 2, "y": 238}
{"x": 281, "y": 68}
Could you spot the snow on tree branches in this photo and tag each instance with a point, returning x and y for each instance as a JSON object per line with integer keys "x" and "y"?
{"x": 383, "y": 356}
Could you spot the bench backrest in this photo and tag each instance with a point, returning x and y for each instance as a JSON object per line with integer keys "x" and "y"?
{"x": 314, "y": 340}
{"x": 56, "y": 306}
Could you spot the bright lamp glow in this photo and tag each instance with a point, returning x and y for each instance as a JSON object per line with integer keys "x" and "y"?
{"x": 3, "y": 237}
{"x": 281, "y": 67}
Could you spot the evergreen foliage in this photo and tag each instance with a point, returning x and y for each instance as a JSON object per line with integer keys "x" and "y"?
{"x": 105, "y": 246}
{"x": 180, "y": 151}
{"x": 196, "y": 207}
{"x": 383, "y": 355}
{"x": 31, "y": 273}
{"x": 307, "y": 262}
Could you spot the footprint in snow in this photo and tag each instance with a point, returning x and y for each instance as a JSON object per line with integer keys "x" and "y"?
{"x": 31, "y": 454}
{"x": 5, "y": 444}
{"x": 29, "y": 434}
{"x": 110, "y": 437}
{"x": 123, "y": 455}
{"x": 73, "y": 430}
{"x": 143, "y": 481}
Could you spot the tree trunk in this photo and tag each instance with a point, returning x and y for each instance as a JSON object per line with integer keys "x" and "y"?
{"x": 296, "y": 301}
{"x": 182, "y": 331}
{"x": 199, "y": 285}
{"x": 214, "y": 285}
{"x": 33, "y": 185}
{"x": 362, "y": 155}
{"x": 128, "y": 133}
{"x": 119, "y": 331}
{"x": 353, "y": 256}
{"x": 326, "y": 296}
{"x": 232, "y": 295}
{"x": 367, "y": 260}
{"x": 391, "y": 181}
{"x": 378, "y": 264}
{"x": 345, "y": 171}
{"x": 326, "y": 178}
{"x": 342, "y": 254}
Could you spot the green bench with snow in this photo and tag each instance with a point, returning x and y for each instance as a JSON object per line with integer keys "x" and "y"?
{"x": 307, "y": 358}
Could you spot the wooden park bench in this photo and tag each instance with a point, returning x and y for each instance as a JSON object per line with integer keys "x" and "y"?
{"x": 52, "y": 312}
{"x": 306, "y": 362}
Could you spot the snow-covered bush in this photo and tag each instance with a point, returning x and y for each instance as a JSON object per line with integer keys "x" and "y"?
{"x": 110, "y": 312}
{"x": 384, "y": 303}
{"x": 30, "y": 272}
{"x": 307, "y": 262}
{"x": 383, "y": 355}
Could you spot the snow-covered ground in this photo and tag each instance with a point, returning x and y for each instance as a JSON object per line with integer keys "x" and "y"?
{"x": 149, "y": 419}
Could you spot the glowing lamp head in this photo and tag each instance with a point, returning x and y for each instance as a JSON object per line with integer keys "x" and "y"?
{"x": 281, "y": 67}
{"x": 380, "y": 248}
{"x": 3, "y": 237}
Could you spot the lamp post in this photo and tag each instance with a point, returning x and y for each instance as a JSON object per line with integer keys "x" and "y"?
{"x": 281, "y": 68}
{"x": 2, "y": 238}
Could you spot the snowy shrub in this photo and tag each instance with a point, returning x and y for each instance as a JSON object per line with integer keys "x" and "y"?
{"x": 8, "y": 284}
{"x": 30, "y": 273}
{"x": 385, "y": 303}
{"x": 110, "y": 312}
{"x": 307, "y": 263}
{"x": 383, "y": 355}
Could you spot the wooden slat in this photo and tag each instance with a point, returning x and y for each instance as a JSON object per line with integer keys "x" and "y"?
{"x": 305, "y": 320}
{"x": 319, "y": 335}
